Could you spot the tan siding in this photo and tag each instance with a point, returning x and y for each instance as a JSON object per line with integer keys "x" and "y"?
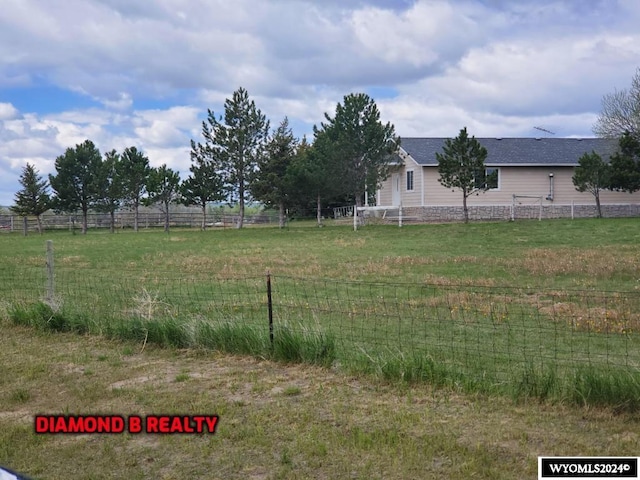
{"x": 384, "y": 194}
{"x": 521, "y": 181}
{"x": 413, "y": 197}
{"x": 409, "y": 198}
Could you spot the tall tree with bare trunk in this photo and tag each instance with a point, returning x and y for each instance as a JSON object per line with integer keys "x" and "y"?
{"x": 237, "y": 142}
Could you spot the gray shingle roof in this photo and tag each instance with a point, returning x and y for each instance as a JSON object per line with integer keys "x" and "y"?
{"x": 518, "y": 151}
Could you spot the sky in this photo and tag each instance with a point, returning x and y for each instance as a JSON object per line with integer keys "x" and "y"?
{"x": 144, "y": 73}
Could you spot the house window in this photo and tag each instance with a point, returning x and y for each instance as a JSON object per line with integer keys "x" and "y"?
{"x": 409, "y": 180}
{"x": 489, "y": 179}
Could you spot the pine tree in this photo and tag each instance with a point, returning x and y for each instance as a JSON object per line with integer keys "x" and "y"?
{"x": 592, "y": 175}
{"x": 625, "y": 165}
{"x": 205, "y": 184}
{"x": 163, "y": 187}
{"x": 237, "y": 144}
{"x": 110, "y": 186}
{"x": 135, "y": 175}
{"x": 462, "y": 166}
{"x": 76, "y": 183}
{"x": 272, "y": 184}
{"x": 359, "y": 144}
{"x": 33, "y": 199}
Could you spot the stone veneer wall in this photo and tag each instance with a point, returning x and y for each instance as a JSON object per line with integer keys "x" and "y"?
{"x": 503, "y": 212}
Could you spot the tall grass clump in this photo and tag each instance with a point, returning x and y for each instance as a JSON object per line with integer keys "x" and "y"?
{"x": 232, "y": 338}
{"x": 303, "y": 346}
{"x": 540, "y": 383}
{"x": 44, "y": 317}
{"x": 412, "y": 368}
{"x": 619, "y": 389}
{"x": 164, "y": 332}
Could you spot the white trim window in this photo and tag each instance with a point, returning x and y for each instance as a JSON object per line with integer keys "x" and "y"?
{"x": 409, "y": 180}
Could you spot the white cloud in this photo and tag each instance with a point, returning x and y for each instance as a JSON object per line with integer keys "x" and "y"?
{"x": 123, "y": 101}
{"x": 7, "y": 111}
{"x": 164, "y": 128}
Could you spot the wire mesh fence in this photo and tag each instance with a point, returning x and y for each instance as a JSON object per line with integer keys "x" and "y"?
{"x": 494, "y": 333}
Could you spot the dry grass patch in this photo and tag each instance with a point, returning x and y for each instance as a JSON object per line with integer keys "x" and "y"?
{"x": 439, "y": 280}
{"x": 358, "y": 242}
{"x": 78, "y": 261}
{"x": 406, "y": 260}
{"x": 593, "y": 319}
{"x": 598, "y": 263}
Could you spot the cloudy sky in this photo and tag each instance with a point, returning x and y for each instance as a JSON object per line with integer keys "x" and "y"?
{"x": 144, "y": 73}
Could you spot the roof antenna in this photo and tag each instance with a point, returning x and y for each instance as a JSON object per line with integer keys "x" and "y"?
{"x": 544, "y": 130}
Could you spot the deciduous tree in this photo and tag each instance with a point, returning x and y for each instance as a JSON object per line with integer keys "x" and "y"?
{"x": 33, "y": 198}
{"x": 461, "y": 166}
{"x": 620, "y": 112}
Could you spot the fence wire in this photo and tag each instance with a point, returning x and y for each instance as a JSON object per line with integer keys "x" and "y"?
{"x": 476, "y": 329}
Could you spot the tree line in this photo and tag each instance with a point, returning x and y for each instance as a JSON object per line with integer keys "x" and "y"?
{"x": 85, "y": 180}
{"x": 238, "y": 159}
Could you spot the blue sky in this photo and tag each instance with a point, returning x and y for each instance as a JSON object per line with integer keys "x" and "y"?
{"x": 143, "y": 74}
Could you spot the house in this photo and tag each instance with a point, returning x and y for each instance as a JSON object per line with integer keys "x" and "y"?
{"x": 529, "y": 177}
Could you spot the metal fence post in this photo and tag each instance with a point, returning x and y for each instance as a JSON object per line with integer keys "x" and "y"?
{"x": 270, "y": 308}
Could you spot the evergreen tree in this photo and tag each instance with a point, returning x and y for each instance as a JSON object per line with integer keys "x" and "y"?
{"x": 313, "y": 175}
{"x": 76, "y": 183}
{"x": 272, "y": 184}
{"x": 625, "y": 165}
{"x": 359, "y": 144}
{"x": 461, "y": 166}
{"x": 135, "y": 172}
{"x": 163, "y": 187}
{"x": 592, "y": 175}
{"x": 205, "y": 184}
{"x": 33, "y": 199}
{"x": 110, "y": 189}
{"x": 237, "y": 143}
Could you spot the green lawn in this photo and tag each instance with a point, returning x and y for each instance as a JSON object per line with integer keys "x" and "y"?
{"x": 506, "y": 307}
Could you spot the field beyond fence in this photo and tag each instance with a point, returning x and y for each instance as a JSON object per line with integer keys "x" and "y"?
{"x": 566, "y": 344}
